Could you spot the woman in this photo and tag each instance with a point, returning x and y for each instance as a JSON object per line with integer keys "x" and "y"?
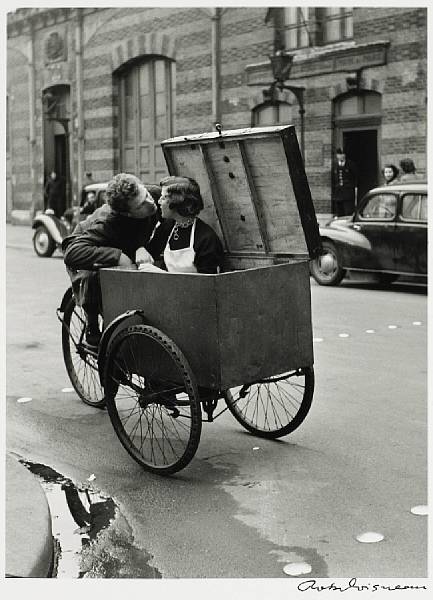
{"x": 390, "y": 173}
{"x": 187, "y": 244}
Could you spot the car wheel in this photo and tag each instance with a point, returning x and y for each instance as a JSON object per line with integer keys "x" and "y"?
{"x": 326, "y": 269}
{"x": 43, "y": 243}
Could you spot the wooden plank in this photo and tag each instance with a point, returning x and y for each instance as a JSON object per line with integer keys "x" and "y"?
{"x": 254, "y": 197}
{"x": 241, "y": 227}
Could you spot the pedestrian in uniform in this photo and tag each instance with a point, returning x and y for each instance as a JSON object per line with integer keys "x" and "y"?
{"x": 344, "y": 184}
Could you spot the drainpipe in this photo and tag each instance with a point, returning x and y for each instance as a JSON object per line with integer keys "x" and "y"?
{"x": 216, "y": 64}
{"x": 79, "y": 100}
{"x": 36, "y": 199}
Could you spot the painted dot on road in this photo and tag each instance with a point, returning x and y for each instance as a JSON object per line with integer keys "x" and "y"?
{"x": 92, "y": 477}
{"x": 343, "y": 335}
{"x": 256, "y": 448}
{"x": 301, "y": 568}
{"x": 416, "y": 323}
{"x": 392, "y": 326}
{"x": 370, "y": 331}
{"x": 317, "y": 339}
{"x": 419, "y": 510}
{"x": 369, "y": 537}
{"x": 24, "y": 399}
{"x": 67, "y": 390}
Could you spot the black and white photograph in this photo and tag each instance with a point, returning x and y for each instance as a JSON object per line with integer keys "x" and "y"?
{"x": 216, "y": 298}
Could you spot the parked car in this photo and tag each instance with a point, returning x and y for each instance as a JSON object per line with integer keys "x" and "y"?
{"x": 387, "y": 236}
{"x": 51, "y": 230}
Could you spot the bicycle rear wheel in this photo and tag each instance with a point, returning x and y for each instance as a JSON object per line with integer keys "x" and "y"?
{"x": 80, "y": 361}
{"x": 275, "y": 406}
{"x": 152, "y": 399}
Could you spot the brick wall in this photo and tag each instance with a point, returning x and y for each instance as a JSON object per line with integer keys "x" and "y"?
{"x": 245, "y": 40}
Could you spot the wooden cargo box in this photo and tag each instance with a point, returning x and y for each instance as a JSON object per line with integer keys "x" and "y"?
{"x": 254, "y": 321}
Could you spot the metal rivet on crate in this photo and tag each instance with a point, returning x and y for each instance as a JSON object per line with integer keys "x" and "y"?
{"x": 226, "y": 159}
{"x": 231, "y": 175}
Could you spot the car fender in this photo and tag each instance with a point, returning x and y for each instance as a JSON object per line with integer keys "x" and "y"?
{"x": 53, "y": 225}
{"x": 348, "y": 242}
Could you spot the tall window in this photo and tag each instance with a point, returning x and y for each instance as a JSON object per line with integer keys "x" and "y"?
{"x": 145, "y": 118}
{"x": 337, "y": 24}
{"x": 296, "y": 27}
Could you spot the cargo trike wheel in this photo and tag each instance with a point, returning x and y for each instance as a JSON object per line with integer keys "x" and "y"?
{"x": 152, "y": 399}
{"x": 274, "y": 406}
{"x": 80, "y": 360}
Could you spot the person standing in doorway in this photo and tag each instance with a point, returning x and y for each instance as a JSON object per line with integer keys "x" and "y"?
{"x": 53, "y": 193}
{"x": 344, "y": 184}
{"x": 408, "y": 170}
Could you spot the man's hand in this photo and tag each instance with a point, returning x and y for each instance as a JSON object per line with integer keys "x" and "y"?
{"x": 142, "y": 256}
{"x": 124, "y": 261}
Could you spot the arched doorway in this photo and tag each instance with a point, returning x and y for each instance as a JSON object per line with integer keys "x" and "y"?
{"x": 56, "y": 103}
{"x": 357, "y": 121}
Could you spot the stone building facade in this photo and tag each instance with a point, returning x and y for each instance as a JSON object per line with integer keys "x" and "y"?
{"x": 96, "y": 89}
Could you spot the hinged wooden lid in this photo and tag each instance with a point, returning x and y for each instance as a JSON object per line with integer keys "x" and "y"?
{"x": 254, "y": 188}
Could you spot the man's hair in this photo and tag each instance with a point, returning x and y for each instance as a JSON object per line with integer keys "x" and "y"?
{"x": 121, "y": 190}
{"x": 407, "y": 165}
{"x": 339, "y": 151}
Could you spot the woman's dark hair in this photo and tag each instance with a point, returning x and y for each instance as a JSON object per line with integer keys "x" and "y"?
{"x": 172, "y": 179}
{"x": 395, "y": 170}
{"x": 120, "y": 190}
{"x": 407, "y": 165}
{"x": 184, "y": 198}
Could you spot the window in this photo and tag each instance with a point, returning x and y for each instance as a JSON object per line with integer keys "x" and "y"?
{"x": 296, "y": 27}
{"x": 337, "y": 24}
{"x": 363, "y": 103}
{"x": 414, "y": 207}
{"x": 380, "y": 206}
{"x": 272, "y": 113}
{"x": 145, "y": 118}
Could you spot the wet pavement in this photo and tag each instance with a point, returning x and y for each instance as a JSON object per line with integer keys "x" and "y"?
{"x": 92, "y": 537}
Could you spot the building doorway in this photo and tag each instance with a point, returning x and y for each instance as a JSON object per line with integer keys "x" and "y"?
{"x": 56, "y": 101}
{"x": 357, "y": 123}
{"x": 361, "y": 147}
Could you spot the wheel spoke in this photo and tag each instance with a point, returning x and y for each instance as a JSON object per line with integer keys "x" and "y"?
{"x": 273, "y": 407}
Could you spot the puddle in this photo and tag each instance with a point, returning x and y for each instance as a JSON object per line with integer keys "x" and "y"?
{"x": 92, "y": 537}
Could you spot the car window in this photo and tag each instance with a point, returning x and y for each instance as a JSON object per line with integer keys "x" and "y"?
{"x": 414, "y": 207}
{"x": 380, "y": 206}
{"x": 102, "y": 198}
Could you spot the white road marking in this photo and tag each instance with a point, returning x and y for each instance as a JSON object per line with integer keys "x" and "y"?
{"x": 369, "y": 537}
{"x": 419, "y": 510}
{"x": 24, "y": 399}
{"x": 297, "y": 568}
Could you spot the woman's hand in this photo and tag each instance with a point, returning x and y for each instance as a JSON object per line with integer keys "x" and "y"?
{"x": 142, "y": 256}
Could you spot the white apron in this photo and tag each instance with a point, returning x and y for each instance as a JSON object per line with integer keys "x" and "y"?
{"x": 182, "y": 260}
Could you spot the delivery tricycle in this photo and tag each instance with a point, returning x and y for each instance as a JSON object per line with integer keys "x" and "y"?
{"x": 175, "y": 345}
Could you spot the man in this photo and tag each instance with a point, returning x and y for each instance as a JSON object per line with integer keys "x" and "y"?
{"x": 344, "y": 184}
{"x": 53, "y": 193}
{"x": 408, "y": 171}
{"x": 110, "y": 237}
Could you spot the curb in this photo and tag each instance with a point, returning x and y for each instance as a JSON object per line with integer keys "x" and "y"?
{"x": 29, "y": 548}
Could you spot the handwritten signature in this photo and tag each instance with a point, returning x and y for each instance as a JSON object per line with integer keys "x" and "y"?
{"x": 311, "y": 584}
